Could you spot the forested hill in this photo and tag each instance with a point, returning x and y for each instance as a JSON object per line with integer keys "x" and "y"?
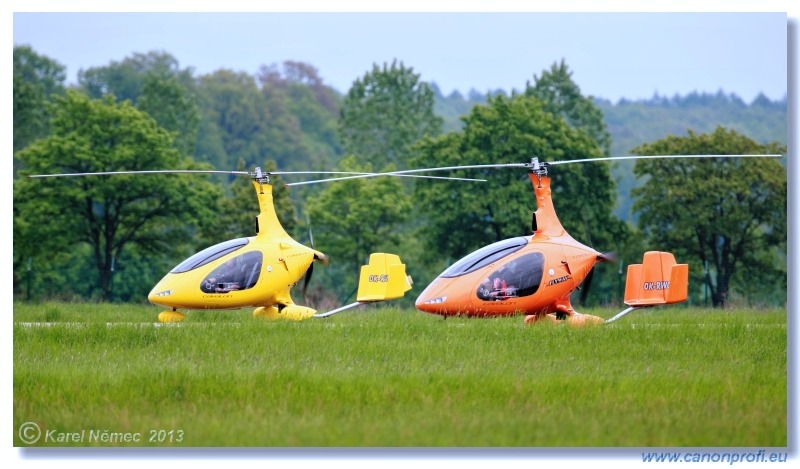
{"x": 633, "y": 123}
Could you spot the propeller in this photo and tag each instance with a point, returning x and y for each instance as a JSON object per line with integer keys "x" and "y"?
{"x": 587, "y": 282}
{"x": 584, "y": 288}
{"x": 317, "y": 257}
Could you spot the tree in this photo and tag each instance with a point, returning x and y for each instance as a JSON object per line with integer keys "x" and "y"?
{"x": 722, "y": 212}
{"x": 174, "y": 107}
{"x": 305, "y": 111}
{"x": 156, "y": 213}
{"x": 460, "y": 219}
{"x": 126, "y": 79}
{"x": 239, "y": 125}
{"x": 299, "y": 73}
{"x": 384, "y": 113}
{"x": 562, "y": 97}
{"x": 155, "y": 84}
{"x": 37, "y": 79}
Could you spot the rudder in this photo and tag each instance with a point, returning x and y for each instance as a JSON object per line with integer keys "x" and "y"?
{"x": 658, "y": 280}
{"x": 383, "y": 278}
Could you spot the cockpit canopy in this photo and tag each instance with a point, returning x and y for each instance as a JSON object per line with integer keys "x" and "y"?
{"x": 485, "y": 256}
{"x": 209, "y": 254}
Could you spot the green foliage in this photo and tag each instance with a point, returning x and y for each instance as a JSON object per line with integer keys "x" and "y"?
{"x": 727, "y": 212}
{"x": 385, "y": 112}
{"x": 155, "y": 84}
{"x": 285, "y": 121}
{"x": 174, "y": 107}
{"x": 235, "y": 119}
{"x": 310, "y": 106}
{"x": 634, "y": 123}
{"x": 155, "y": 212}
{"x": 36, "y": 79}
{"x": 562, "y": 97}
{"x": 383, "y": 377}
{"x": 127, "y": 79}
{"x": 451, "y": 107}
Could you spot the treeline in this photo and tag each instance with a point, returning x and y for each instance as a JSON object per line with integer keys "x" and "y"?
{"x": 111, "y": 238}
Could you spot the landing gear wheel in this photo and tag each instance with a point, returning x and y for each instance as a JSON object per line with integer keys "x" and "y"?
{"x": 578, "y": 319}
{"x": 171, "y": 316}
{"x": 537, "y": 318}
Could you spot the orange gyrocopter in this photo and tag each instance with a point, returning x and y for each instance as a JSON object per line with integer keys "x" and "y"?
{"x": 535, "y": 274}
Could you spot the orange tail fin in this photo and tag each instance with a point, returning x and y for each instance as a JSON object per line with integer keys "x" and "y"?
{"x": 658, "y": 280}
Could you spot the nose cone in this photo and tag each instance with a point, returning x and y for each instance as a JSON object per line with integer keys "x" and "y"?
{"x": 432, "y": 299}
{"x": 445, "y": 296}
{"x": 163, "y": 293}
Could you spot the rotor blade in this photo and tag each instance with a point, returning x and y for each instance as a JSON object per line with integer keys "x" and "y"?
{"x": 409, "y": 172}
{"x": 356, "y": 173}
{"x": 650, "y": 157}
{"x": 533, "y": 164}
{"x": 449, "y": 168}
{"x": 162, "y": 171}
{"x": 204, "y": 171}
{"x": 393, "y": 173}
{"x": 310, "y": 234}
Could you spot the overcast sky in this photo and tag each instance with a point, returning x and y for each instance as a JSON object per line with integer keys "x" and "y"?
{"x": 611, "y": 55}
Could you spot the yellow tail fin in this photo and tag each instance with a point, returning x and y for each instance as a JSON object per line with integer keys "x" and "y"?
{"x": 658, "y": 280}
{"x": 384, "y": 278}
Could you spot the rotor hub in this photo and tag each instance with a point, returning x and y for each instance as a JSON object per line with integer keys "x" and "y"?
{"x": 260, "y": 176}
{"x": 536, "y": 167}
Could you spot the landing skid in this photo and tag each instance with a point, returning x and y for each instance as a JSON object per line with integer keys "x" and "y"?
{"x": 623, "y": 313}
{"x": 338, "y": 310}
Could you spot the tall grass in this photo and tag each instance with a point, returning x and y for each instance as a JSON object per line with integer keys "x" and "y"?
{"x": 400, "y": 378}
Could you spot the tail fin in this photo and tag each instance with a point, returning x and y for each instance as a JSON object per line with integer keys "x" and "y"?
{"x": 384, "y": 278}
{"x": 658, "y": 280}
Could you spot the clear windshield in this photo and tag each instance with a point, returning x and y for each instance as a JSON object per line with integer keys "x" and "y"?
{"x": 485, "y": 256}
{"x": 209, "y": 254}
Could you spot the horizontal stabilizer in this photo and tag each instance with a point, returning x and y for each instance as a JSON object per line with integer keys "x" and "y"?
{"x": 384, "y": 278}
{"x": 658, "y": 280}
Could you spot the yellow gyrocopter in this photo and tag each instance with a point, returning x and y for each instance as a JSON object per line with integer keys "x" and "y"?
{"x": 260, "y": 271}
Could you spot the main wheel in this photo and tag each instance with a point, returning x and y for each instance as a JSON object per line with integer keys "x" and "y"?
{"x": 171, "y": 316}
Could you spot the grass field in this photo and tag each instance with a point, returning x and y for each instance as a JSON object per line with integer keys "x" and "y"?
{"x": 398, "y": 378}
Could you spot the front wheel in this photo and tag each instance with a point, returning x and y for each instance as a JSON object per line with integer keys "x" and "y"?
{"x": 171, "y": 316}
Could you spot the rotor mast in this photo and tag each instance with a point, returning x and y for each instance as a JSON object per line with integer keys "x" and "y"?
{"x": 537, "y": 169}
{"x": 267, "y": 223}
